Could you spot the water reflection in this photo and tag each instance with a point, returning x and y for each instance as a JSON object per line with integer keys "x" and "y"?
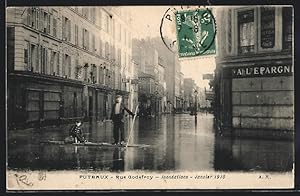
{"x": 181, "y": 142}
{"x": 118, "y": 160}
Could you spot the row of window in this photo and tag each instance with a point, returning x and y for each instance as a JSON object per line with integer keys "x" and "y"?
{"x": 36, "y": 59}
{"x": 247, "y": 29}
{"x": 41, "y": 20}
{"x": 106, "y": 22}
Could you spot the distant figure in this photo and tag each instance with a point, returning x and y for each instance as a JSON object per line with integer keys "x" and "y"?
{"x": 75, "y": 134}
{"x": 117, "y": 117}
{"x": 149, "y": 111}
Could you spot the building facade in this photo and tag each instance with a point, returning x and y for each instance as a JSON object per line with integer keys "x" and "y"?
{"x": 66, "y": 63}
{"x": 151, "y": 73}
{"x": 254, "y": 82}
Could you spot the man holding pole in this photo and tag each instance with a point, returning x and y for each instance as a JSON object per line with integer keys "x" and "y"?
{"x": 117, "y": 117}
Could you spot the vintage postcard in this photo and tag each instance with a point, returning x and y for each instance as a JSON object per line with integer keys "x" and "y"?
{"x": 150, "y": 97}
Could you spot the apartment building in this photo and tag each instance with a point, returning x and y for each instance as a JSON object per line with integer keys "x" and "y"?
{"x": 66, "y": 63}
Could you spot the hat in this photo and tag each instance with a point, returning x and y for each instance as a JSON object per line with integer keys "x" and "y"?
{"x": 118, "y": 96}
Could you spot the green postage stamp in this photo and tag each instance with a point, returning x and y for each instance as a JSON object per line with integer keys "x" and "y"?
{"x": 196, "y": 31}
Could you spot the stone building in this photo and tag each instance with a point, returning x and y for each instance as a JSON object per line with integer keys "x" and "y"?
{"x": 151, "y": 73}
{"x": 254, "y": 83}
{"x": 66, "y": 63}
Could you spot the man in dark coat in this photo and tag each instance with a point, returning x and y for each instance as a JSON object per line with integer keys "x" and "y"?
{"x": 117, "y": 117}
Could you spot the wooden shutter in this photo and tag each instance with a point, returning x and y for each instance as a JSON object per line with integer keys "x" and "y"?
{"x": 70, "y": 66}
{"x": 37, "y": 16}
{"x": 54, "y": 27}
{"x": 57, "y": 64}
{"x": 69, "y": 30}
{"x": 29, "y": 10}
{"x": 63, "y": 65}
{"x": 37, "y": 53}
{"x": 48, "y": 23}
{"x": 76, "y": 35}
{"x": 51, "y": 61}
{"x": 42, "y": 59}
{"x": 29, "y": 56}
{"x": 46, "y": 61}
{"x": 83, "y": 37}
{"x": 41, "y": 22}
{"x": 63, "y": 28}
{"x": 87, "y": 40}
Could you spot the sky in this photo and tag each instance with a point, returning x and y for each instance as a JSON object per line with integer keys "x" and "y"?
{"x": 147, "y": 21}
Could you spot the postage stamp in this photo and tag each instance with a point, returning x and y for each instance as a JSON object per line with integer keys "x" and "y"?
{"x": 196, "y": 31}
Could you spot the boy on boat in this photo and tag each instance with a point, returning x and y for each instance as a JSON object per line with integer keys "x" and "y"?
{"x": 75, "y": 133}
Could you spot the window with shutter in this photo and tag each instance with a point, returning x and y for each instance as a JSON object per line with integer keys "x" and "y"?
{"x": 93, "y": 13}
{"x": 27, "y": 56}
{"x": 29, "y": 10}
{"x": 99, "y": 74}
{"x": 69, "y": 66}
{"x": 64, "y": 28}
{"x": 33, "y": 18}
{"x": 268, "y": 28}
{"x": 87, "y": 40}
{"x": 54, "y": 27}
{"x": 100, "y": 18}
{"x": 57, "y": 64}
{"x": 51, "y": 61}
{"x": 37, "y": 16}
{"x": 77, "y": 69}
{"x": 69, "y": 30}
{"x": 63, "y": 65}
{"x": 41, "y": 21}
{"x": 76, "y": 35}
{"x": 46, "y": 61}
{"x": 83, "y": 38}
{"x": 36, "y": 53}
{"x": 45, "y": 22}
{"x": 246, "y": 31}
{"x": 48, "y": 23}
{"x": 93, "y": 43}
{"x": 41, "y": 52}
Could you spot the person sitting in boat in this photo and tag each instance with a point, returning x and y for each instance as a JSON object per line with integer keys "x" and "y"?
{"x": 76, "y": 133}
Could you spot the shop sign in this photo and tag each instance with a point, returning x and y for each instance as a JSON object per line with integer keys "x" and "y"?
{"x": 262, "y": 71}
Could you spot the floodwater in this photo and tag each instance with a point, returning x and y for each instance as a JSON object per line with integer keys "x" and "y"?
{"x": 177, "y": 143}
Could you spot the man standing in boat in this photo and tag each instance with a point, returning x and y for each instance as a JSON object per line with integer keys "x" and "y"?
{"x": 117, "y": 117}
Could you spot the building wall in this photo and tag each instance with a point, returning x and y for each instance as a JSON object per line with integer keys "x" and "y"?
{"x": 261, "y": 101}
{"x": 91, "y": 45}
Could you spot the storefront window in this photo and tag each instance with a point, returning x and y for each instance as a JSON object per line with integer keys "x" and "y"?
{"x": 267, "y": 27}
{"x": 287, "y": 27}
{"x": 246, "y": 31}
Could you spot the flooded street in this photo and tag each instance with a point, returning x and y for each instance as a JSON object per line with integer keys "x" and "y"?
{"x": 177, "y": 143}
